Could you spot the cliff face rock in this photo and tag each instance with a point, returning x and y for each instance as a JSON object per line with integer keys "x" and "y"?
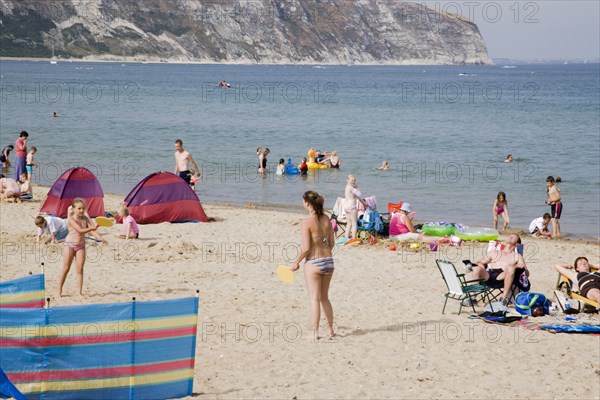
{"x": 240, "y": 31}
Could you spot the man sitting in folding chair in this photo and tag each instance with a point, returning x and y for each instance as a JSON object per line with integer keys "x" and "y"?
{"x": 586, "y": 277}
{"x": 498, "y": 268}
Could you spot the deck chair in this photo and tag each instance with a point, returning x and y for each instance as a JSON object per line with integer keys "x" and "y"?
{"x": 517, "y": 286}
{"x": 459, "y": 288}
{"x": 370, "y": 224}
{"x": 339, "y": 216}
{"x": 571, "y": 289}
{"x": 394, "y": 207}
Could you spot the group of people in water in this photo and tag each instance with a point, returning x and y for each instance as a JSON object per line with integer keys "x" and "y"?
{"x": 321, "y": 159}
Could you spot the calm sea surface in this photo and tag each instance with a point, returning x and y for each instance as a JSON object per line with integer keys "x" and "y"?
{"x": 444, "y": 130}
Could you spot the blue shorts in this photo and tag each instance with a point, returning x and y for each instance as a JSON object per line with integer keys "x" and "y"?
{"x": 29, "y": 168}
{"x": 60, "y": 235}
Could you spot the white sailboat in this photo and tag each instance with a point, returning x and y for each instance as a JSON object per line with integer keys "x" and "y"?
{"x": 53, "y": 59}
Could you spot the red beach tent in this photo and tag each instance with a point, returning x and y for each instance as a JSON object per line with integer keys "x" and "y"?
{"x": 73, "y": 183}
{"x": 164, "y": 197}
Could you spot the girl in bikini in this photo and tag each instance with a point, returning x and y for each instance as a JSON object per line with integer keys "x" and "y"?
{"x": 79, "y": 225}
{"x": 317, "y": 243}
{"x": 500, "y": 208}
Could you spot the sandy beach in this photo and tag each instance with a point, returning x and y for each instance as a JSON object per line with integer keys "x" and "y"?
{"x": 392, "y": 339}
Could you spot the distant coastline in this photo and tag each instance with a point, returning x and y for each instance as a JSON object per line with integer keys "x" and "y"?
{"x": 150, "y": 60}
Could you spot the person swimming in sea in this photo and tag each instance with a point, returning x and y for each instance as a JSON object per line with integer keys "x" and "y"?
{"x": 384, "y": 167}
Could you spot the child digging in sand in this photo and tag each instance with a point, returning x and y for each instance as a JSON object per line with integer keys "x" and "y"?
{"x": 79, "y": 225}
{"x": 539, "y": 226}
{"x": 130, "y": 227}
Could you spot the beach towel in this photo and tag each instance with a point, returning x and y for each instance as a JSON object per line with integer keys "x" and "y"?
{"x": 498, "y": 317}
{"x": 338, "y": 209}
{"x": 572, "y": 328}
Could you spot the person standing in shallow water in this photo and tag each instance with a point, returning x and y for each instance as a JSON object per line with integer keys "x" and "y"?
{"x": 20, "y": 155}
{"x": 500, "y": 208}
{"x": 262, "y": 160}
{"x": 556, "y": 206}
{"x": 182, "y": 160}
{"x": 317, "y": 243}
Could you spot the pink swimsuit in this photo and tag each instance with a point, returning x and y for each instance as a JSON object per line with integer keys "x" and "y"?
{"x": 397, "y": 227}
{"x": 77, "y": 246}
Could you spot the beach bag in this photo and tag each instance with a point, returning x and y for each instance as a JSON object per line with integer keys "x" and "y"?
{"x": 532, "y": 304}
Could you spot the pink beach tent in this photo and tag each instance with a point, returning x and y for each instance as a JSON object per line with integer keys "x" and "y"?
{"x": 73, "y": 183}
{"x": 164, "y": 197}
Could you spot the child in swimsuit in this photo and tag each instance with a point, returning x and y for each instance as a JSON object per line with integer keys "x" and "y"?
{"x": 303, "y": 167}
{"x": 10, "y": 188}
{"x": 280, "y": 167}
{"x": 30, "y": 163}
{"x": 79, "y": 224}
{"x": 500, "y": 208}
{"x": 130, "y": 227}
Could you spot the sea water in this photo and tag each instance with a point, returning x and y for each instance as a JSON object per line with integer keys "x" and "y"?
{"x": 444, "y": 130}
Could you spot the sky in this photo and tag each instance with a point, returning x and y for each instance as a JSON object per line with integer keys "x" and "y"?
{"x": 541, "y": 29}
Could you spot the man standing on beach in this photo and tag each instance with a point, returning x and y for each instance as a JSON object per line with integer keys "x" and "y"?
{"x": 182, "y": 159}
{"x": 555, "y": 205}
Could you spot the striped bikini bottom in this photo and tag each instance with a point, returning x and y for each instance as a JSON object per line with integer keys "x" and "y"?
{"x": 325, "y": 264}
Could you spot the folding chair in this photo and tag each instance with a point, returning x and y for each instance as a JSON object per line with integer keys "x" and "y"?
{"x": 339, "y": 215}
{"x": 459, "y": 288}
{"x": 571, "y": 289}
{"x": 394, "y": 207}
{"x": 370, "y": 224}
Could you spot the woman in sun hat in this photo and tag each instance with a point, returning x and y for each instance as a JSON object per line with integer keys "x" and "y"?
{"x": 401, "y": 227}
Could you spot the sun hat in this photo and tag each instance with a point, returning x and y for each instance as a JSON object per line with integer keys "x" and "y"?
{"x": 406, "y": 207}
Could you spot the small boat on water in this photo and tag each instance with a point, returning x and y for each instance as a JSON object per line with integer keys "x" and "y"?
{"x": 53, "y": 59}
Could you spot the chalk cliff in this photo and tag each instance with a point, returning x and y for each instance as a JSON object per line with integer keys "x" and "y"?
{"x": 240, "y": 31}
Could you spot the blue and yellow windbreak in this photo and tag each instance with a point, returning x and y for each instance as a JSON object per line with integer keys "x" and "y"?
{"x": 27, "y": 292}
{"x": 137, "y": 350}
